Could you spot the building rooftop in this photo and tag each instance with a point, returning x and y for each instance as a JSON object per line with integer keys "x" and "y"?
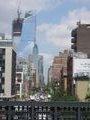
{"x": 6, "y": 42}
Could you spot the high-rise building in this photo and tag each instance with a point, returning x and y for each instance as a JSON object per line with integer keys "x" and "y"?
{"x": 81, "y": 38}
{"x": 35, "y": 63}
{"x": 17, "y": 25}
{"x": 21, "y": 75}
{"x": 7, "y": 68}
{"x": 40, "y": 70}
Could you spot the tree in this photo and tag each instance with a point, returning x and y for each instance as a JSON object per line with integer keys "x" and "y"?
{"x": 87, "y": 97}
{"x": 57, "y": 94}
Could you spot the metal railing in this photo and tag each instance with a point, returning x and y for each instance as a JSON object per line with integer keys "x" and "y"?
{"x": 18, "y": 110}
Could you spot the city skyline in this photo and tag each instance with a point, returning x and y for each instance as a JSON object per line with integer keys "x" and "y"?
{"x": 55, "y": 20}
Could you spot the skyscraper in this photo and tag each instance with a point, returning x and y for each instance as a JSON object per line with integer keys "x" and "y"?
{"x": 40, "y": 70}
{"x": 35, "y": 62}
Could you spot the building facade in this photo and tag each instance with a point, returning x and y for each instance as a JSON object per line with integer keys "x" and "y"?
{"x": 58, "y": 72}
{"x": 81, "y": 75}
{"x": 7, "y": 69}
{"x": 40, "y": 70}
{"x": 80, "y": 38}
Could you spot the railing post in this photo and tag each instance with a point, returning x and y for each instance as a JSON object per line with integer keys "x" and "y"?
{"x": 78, "y": 114}
{"x": 55, "y": 114}
{"x": 9, "y": 112}
{"x": 32, "y": 114}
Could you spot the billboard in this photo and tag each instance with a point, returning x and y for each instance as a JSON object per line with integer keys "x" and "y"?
{"x": 81, "y": 67}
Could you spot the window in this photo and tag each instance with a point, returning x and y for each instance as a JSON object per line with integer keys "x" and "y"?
{"x": 3, "y": 86}
{"x": 3, "y": 75}
{"x": 2, "y": 51}
{"x": 3, "y": 80}
{"x": 0, "y": 74}
{"x": 2, "y": 90}
{"x": 3, "y": 57}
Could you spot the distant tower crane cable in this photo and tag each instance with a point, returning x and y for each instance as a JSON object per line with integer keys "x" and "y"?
{"x": 35, "y": 31}
{"x": 18, "y": 9}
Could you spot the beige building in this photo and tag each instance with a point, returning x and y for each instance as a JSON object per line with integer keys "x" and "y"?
{"x": 81, "y": 89}
{"x": 81, "y": 74}
{"x": 7, "y": 69}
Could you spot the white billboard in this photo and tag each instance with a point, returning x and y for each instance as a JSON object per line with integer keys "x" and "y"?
{"x": 81, "y": 67}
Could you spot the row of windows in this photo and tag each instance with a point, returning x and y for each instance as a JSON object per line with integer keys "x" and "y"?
{"x": 2, "y": 70}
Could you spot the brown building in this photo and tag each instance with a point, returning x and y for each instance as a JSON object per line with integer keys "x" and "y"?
{"x": 27, "y": 86}
{"x": 81, "y": 38}
{"x": 60, "y": 72}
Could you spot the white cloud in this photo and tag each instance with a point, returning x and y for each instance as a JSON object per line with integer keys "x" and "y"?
{"x": 57, "y": 34}
{"x": 8, "y": 10}
{"x": 84, "y": 0}
{"x": 81, "y": 1}
{"x": 39, "y": 5}
{"x": 60, "y": 34}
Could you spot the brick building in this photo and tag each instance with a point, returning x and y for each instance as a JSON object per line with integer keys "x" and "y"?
{"x": 81, "y": 38}
{"x": 61, "y": 71}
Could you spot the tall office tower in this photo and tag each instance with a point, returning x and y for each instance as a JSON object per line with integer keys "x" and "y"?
{"x": 81, "y": 38}
{"x": 7, "y": 69}
{"x": 17, "y": 30}
{"x": 35, "y": 62}
{"x": 17, "y": 25}
{"x": 40, "y": 70}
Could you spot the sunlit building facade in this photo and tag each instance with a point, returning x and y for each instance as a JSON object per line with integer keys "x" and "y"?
{"x": 7, "y": 69}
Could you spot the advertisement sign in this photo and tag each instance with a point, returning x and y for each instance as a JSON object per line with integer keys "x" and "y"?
{"x": 81, "y": 67}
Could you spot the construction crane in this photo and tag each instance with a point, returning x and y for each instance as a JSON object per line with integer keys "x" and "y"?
{"x": 17, "y": 23}
{"x": 18, "y": 10}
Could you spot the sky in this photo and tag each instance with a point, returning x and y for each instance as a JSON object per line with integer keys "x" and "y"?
{"x": 55, "y": 21}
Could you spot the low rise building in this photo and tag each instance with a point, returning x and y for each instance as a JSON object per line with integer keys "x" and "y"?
{"x": 81, "y": 75}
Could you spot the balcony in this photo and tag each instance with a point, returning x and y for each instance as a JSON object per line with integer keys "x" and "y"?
{"x": 74, "y": 47}
{"x": 73, "y": 40}
{"x": 74, "y": 33}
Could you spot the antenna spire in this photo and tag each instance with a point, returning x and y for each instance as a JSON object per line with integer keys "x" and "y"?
{"x": 35, "y": 31}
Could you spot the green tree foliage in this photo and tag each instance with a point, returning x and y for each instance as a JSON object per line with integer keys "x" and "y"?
{"x": 35, "y": 90}
{"x": 57, "y": 94}
{"x": 87, "y": 97}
